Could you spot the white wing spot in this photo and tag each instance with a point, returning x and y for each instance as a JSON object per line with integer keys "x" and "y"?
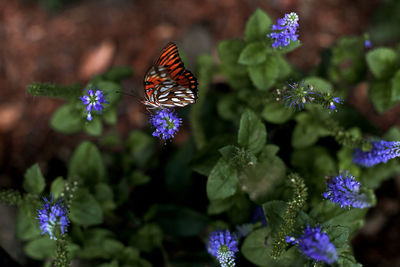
{"x": 164, "y": 95}
{"x": 162, "y": 100}
{"x": 175, "y": 99}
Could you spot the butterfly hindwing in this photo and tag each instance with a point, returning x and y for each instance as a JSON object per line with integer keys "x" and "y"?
{"x": 171, "y": 84}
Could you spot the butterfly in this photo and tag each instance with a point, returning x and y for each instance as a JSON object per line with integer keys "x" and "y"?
{"x": 167, "y": 83}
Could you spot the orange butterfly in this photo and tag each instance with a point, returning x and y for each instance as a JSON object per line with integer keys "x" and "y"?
{"x": 167, "y": 83}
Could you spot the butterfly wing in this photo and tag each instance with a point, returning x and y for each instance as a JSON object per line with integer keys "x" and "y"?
{"x": 173, "y": 84}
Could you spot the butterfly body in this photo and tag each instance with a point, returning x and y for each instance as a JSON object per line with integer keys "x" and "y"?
{"x": 167, "y": 83}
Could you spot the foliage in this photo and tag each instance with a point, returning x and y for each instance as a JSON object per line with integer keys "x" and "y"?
{"x": 136, "y": 201}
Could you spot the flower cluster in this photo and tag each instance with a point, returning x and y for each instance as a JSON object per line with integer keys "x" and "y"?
{"x": 296, "y": 96}
{"x": 315, "y": 244}
{"x": 166, "y": 124}
{"x": 300, "y": 94}
{"x": 94, "y": 100}
{"x": 223, "y": 245}
{"x": 286, "y": 30}
{"x": 381, "y": 151}
{"x": 52, "y": 215}
{"x": 345, "y": 191}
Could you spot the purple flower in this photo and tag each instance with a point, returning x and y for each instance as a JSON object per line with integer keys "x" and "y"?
{"x": 286, "y": 30}
{"x": 166, "y": 124}
{"x": 223, "y": 245}
{"x": 52, "y": 215}
{"x": 381, "y": 151}
{"x": 332, "y": 106}
{"x": 93, "y": 101}
{"x": 367, "y": 44}
{"x": 345, "y": 191}
{"x": 315, "y": 245}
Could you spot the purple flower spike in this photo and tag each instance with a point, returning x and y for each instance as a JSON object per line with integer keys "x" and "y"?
{"x": 223, "y": 245}
{"x": 52, "y": 215}
{"x": 315, "y": 245}
{"x": 166, "y": 124}
{"x": 381, "y": 151}
{"x": 286, "y": 31}
{"x": 345, "y": 191}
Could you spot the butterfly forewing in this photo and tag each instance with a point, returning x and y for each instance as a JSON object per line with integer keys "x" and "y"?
{"x": 167, "y": 83}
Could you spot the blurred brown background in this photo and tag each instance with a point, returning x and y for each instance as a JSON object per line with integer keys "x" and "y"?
{"x": 87, "y": 37}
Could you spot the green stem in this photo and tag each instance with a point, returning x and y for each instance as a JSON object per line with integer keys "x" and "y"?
{"x": 294, "y": 205}
{"x": 55, "y": 90}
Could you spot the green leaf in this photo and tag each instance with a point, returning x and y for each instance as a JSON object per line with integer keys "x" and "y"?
{"x": 347, "y": 60}
{"x": 34, "y": 182}
{"x": 346, "y": 259}
{"x": 308, "y": 130}
{"x": 284, "y": 67}
{"x": 94, "y": 127}
{"x": 380, "y": 95}
{"x": 330, "y": 214}
{"x": 93, "y": 244}
{"x": 119, "y": 73}
{"x": 252, "y": 132}
{"x": 253, "y": 54}
{"x": 111, "y": 247}
{"x": 57, "y": 186}
{"x": 229, "y": 52}
{"x": 393, "y": 134}
{"x": 105, "y": 196}
{"x": 85, "y": 210}
{"x": 219, "y": 205}
{"x": 149, "y": 237}
{"x": 257, "y": 249}
{"x": 274, "y": 210}
{"x": 396, "y": 86}
{"x": 260, "y": 180}
{"x": 292, "y": 46}
{"x": 318, "y": 83}
{"x": 27, "y": 225}
{"x": 138, "y": 178}
{"x": 276, "y": 112}
{"x": 345, "y": 161}
{"x": 223, "y": 181}
{"x": 66, "y": 119}
{"x": 141, "y": 148}
{"x": 87, "y": 164}
{"x": 110, "y": 116}
{"x": 112, "y": 91}
{"x": 204, "y": 159}
{"x": 180, "y": 221}
{"x": 264, "y": 75}
{"x": 257, "y": 27}
{"x": 41, "y": 248}
{"x": 382, "y": 62}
